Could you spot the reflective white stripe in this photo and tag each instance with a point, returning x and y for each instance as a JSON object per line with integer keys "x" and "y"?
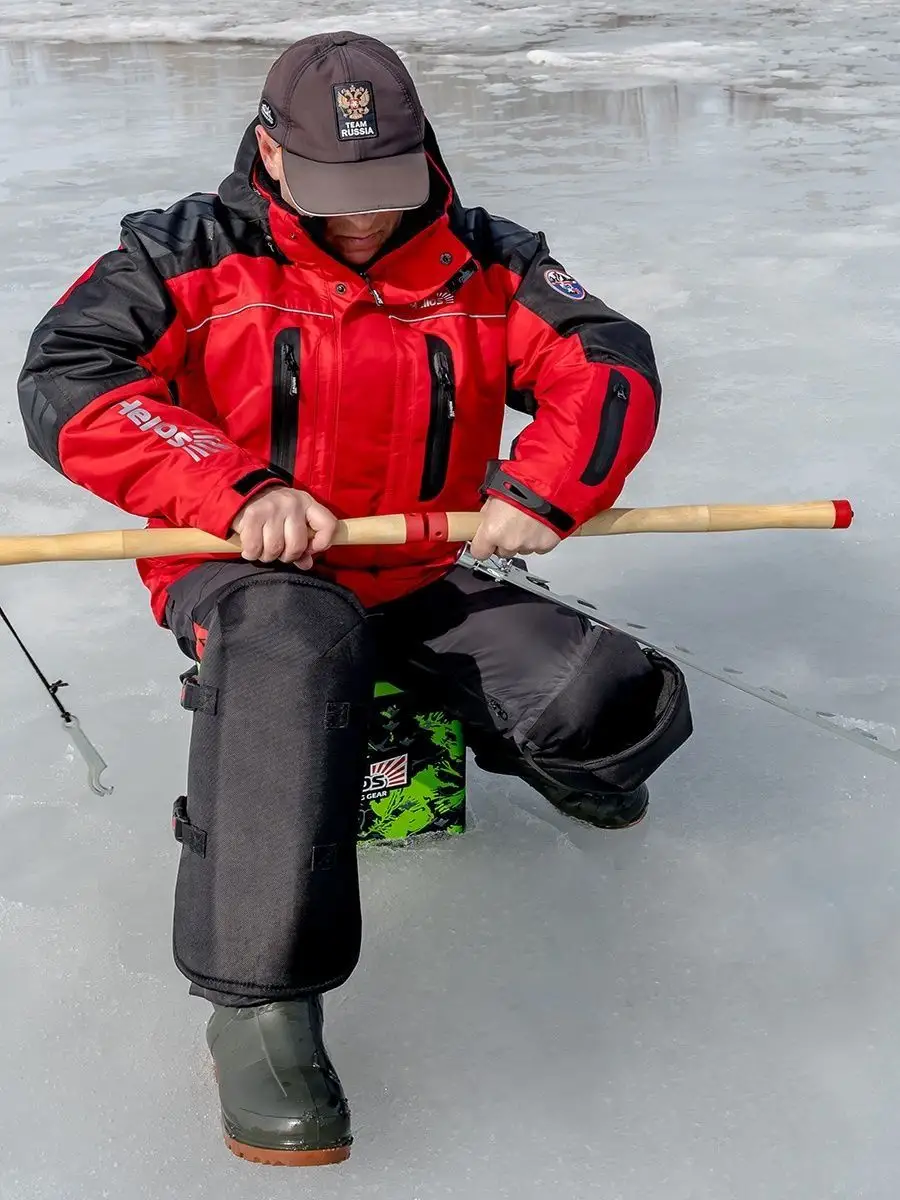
{"x": 440, "y": 316}
{"x": 305, "y": 312}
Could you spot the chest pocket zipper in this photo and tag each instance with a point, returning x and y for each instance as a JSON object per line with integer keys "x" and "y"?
{"x": 285, "y": 403}
{"x": 442, "y": 417}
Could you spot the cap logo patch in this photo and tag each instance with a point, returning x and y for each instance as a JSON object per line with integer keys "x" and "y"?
{"x": 266, "y": 115}
{"x": 565, "y": 284}
{"x": 354, "y": 105}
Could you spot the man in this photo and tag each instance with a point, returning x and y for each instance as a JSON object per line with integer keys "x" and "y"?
{"x": 333, "y": 334}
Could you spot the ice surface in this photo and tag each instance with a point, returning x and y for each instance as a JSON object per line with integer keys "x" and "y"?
{"x": 703, "y": 1008}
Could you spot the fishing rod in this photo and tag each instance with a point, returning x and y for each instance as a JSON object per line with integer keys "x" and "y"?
{"x": 457, "y": 527}
{"x": 404, "y": 528}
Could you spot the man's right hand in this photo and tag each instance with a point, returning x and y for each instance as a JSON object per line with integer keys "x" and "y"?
{"x": 276, "y": 526}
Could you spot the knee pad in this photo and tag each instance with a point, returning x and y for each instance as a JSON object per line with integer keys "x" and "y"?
{"x": 622, "y": 714}
{"x": 267, "y": 896}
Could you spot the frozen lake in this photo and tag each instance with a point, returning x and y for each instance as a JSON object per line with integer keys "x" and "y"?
{"x": 703, "y": 1008}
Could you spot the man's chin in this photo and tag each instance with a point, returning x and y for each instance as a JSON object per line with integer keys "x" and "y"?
{"x": 358, "y": 259}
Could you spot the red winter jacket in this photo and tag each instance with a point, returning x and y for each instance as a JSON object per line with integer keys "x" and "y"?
{"x": 221, "y": 350}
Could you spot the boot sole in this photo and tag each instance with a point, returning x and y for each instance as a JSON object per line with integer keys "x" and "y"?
{"x": 287, "y": 1158}
{"x": 635, "y": 819}
{"x": 268, "y": 1157}
{"x": 605, "y": 828}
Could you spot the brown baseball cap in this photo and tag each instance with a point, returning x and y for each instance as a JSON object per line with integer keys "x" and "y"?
{"x": 351, "y": 126}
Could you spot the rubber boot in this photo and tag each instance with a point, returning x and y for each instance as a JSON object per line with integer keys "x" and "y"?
{"x": 282, "y": 1101}
{"x": 603, "y": 810}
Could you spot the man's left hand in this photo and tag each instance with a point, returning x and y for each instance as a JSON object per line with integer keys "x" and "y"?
{"x": 507, "y": 531}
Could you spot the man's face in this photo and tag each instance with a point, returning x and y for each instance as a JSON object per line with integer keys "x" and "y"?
{"x": 355, "y": 239}
{"x": 358, "y": 239}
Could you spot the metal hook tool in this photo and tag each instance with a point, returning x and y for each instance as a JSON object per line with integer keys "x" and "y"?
{"x": 89, "y": 752}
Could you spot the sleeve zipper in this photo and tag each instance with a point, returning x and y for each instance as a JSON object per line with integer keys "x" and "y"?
{"x": 610, "y": 431}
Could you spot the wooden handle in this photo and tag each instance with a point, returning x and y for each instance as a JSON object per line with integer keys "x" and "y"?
{"x": 722, "y": 518}
{"x": 398, "y": 529}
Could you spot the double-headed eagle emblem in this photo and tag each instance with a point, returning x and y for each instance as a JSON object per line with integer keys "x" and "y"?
{"x": 355, "y": 102}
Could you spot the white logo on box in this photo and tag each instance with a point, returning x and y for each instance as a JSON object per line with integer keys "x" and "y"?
{"x": 386, "y": 775}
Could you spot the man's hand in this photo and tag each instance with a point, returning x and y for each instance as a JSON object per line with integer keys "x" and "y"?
{"x": 508, "y": 531}
{"x": 276, "y": 525}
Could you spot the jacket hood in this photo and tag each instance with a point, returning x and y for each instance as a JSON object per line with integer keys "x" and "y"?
{"x": 249, "y": 190}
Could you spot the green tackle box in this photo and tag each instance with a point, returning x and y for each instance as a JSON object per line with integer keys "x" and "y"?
{"x": 416, "y": 774}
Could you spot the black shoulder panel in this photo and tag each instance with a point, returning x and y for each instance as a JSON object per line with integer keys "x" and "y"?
{"x": 89, "y": 344}
{"x": 494, "y": 239}
{"x": 194, "y": 233}
{"x": 547, "y": 290}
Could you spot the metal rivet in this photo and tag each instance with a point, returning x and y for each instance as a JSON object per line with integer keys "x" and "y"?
{"x": 340, "y": 288}
{"x": 446, "y": 259}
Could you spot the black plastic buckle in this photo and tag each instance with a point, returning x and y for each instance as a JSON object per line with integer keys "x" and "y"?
{"x": 197, "y": 696}
{"x": 186, "y": 833}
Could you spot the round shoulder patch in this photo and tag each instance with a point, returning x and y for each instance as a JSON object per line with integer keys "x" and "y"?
{"x": 266, "y": 115}
{"x": 565, "y": 284}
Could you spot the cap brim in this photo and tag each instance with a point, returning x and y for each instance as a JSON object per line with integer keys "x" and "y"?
{"x": 344, "y": 189}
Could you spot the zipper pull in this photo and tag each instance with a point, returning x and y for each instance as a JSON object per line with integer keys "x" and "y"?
{"x": 375, "y": 294}
{"x": 442, "y": 370}
{"x": 293, "y": 367}
{"x": 445, "y": 382}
